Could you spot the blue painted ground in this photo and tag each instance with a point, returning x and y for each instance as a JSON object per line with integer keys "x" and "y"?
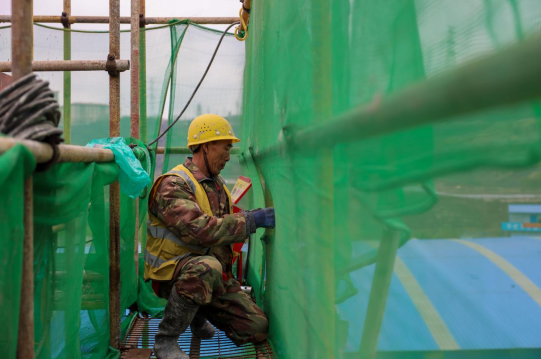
{"x": 482, "y": 307}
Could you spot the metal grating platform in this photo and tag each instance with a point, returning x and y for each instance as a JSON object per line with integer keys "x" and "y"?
{"x": 141, "y": 335}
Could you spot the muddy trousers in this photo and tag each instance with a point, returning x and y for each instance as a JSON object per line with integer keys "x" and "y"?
{"x": 223, "y": 303}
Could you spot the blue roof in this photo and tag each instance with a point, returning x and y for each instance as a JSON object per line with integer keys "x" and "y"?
{"x": 453, "y": 294}
{"x": 524, "y": 208}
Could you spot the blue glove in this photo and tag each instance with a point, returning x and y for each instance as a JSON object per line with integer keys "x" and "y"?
{"x": 264, "y": 217}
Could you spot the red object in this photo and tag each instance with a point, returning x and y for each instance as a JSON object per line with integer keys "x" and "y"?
{"x": 156, "y": 287}
{"x": 224, "y": 277}
{"x": 239, "y": 268}
{"x": 5, "y": 80}
{"x": 242, "y": 186}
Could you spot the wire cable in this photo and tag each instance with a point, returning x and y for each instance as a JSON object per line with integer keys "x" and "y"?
{"x": 197, "y": 87}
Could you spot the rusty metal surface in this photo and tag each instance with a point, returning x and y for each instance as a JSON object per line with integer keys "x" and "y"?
{"x": 66, "y": 116}
{"x": 141, "y": 335}
{"x": 114, "y": 188}
{"x": 21, "y": 53}
{"x": 137, "y": 354}
{"x": 114, "y": 263}
{"x": 126, "y": 20}
{"x": 21, "y": 38}
{"x": 69, "y": 65}
{"x": 65, "y": 20}
{"x": 197, "y": 20}
{"x": 25, "y": 343}
{"x": 134, "y": 72}
{"x": 43, "y": 152}
{"x": 71, "y": 153}
{"x": 5, "y": 81}
{"x": 142, "y": 75}
{"x": 111, "y": 66}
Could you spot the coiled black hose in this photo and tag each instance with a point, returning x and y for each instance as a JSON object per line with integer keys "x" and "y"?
{"x": 28, "y": 110}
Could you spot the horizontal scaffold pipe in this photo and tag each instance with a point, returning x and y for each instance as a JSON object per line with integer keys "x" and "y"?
{"x": 127, "y": 20}
{"x": 504, "y": 78}
{"x": 186, "y": 151}
{"x": 43, "y": 152}
{"x": 70, "y": 65}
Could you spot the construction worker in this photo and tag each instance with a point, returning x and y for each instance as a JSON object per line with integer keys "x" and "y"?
{"x": 189, "y": 245}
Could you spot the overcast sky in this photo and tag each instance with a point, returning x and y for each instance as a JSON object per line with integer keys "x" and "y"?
{"x": 169, "y": 8}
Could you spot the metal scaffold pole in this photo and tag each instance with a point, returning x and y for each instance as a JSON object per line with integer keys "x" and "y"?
{"x": 379, "y": 292}
{"x": 72, "y": 65}
{"x": 67, "y": 75}
{"x": 324, "y": 245}
{"x": 134, "y": 108}
{"x": 142, "y": 75}
{"x": 127, "y": 20}
{"x": 114, "y": 189}
{"x": 21, "y": 53}
{"x": 134, "y": 70}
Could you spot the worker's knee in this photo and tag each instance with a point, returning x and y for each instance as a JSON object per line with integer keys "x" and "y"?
{"x": 253, "y": 330}
{"x": 210, "y": 264}
{"x": 260, "y": 329}
{"x": 201, "y": 280}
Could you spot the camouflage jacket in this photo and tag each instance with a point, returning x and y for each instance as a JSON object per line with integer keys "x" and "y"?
{"x": 175, "y": 205}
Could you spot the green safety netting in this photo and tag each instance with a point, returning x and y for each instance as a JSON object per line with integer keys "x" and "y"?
{"x": 71, "y": 200}
{"x": 310, "y": 61}
{"x": 17, "y": 164}
{"x": 465, "y": 282}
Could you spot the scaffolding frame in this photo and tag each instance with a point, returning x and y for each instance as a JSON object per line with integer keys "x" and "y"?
{"x": 21, "y": 65}
{"x": 467, "y": 89}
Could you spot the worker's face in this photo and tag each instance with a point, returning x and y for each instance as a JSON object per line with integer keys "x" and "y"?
{"x": 218, "y": 154}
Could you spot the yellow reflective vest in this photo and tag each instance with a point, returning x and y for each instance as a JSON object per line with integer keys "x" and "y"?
{"x": 164, "y": 249}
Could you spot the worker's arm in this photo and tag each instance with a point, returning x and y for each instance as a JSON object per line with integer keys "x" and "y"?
{"x": 176, "y": 206}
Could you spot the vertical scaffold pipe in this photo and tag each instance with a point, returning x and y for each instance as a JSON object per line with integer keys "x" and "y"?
{"x": 21, "y": 54}
{"x": 142, "y": 76}
{"x": 67, "y": 76}
{"x": 322, "y": 110}
{"x": 70, "y": 249}
{"x": 134, "y": 69}
{"x": 134, "y": 123}
{"x": 114, "y": 190}
{"x": 379, "y": 293}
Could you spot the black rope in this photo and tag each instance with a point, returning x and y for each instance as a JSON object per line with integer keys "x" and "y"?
{"x": 197, "y": 87}
{"x": 28, "y": 110}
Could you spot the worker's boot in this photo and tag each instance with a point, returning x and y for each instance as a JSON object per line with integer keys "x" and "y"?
{"x": 179, "y": 313}
{"x": 201, "y": 328}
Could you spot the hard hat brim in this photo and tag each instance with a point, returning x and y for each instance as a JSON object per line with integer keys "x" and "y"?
{"x": 218, "y": 138}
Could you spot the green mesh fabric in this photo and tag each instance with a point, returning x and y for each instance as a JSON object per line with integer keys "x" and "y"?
{"x": 339, "y": 209}
{"x": 17, "y": 164}
{"x": 310, "y": 61}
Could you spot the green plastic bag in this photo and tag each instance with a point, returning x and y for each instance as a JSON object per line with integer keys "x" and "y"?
{"x": 133, "y": 178}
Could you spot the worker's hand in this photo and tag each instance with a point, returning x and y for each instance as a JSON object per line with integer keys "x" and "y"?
{"x": 260, "y": 218}
{"x": 264, "y": 217}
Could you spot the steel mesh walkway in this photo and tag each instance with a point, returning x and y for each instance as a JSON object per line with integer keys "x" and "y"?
{"x": 142, "y": 332}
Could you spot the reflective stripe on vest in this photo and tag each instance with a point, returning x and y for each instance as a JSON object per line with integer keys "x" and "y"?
{"x": 186, "y": 178}
{"x": 153, "y": 261}
{"x": 156, "y": 262}
{"x": 165, "y": 233}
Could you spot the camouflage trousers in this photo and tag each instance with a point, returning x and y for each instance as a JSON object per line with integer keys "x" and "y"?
{"x": 223, "y": 303}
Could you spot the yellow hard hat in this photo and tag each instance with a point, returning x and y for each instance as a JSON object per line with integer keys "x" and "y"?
{"x": 208, "y": 128}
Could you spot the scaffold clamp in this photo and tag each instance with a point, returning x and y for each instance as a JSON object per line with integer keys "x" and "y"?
{"x": 110, "y": 65}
